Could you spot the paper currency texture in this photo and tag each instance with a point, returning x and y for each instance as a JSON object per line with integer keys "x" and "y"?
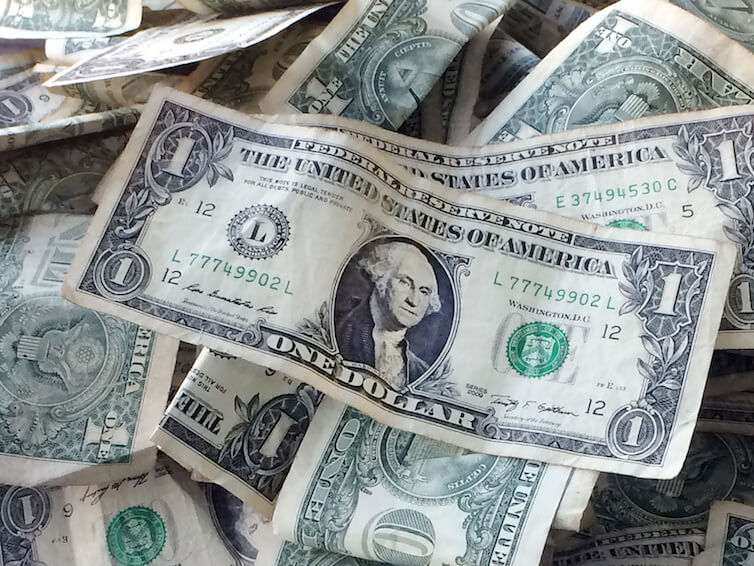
{"x": 379, "y": 58}
{"x": 368, "y": 490}
{"x": 730, "y": 534}
{"x": 79, "y": 392}
{"x": 682, "y": 173}
{"x": 157, "y": 517}
{"x": 65, "y": 19}
{"x": 636, "y": 58}
{"x": 214, "y": 239}
{"x": 239, "y": 425}
{"x": 186, "y": 42}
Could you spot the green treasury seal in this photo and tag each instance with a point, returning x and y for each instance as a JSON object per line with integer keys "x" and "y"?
{"x": 535, "y": 349}
{"x": 135, "y": 536}
{"x": 627, "y": 223}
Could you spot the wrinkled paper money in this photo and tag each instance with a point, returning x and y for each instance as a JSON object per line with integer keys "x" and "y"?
{"x": 402, "y": 290}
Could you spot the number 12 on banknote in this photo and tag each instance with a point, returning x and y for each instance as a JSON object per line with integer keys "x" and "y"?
{"x": 499, "y": 328}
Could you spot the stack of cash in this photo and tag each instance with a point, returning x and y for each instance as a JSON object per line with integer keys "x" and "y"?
{"x": 406, "y": 282}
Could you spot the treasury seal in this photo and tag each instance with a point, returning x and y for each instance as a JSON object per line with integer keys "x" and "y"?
{"x": 536, "y": 349}
{"x": 259, "y": 231}
{"x": 627, "y": 223}
{"x": 135, "y": 536}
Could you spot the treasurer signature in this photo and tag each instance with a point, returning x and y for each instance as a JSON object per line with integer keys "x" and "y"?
{"x": 510, "y": 405}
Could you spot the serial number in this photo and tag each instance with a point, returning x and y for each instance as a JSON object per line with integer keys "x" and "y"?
{"x": 220, "y": 266}
{"x": 536, "y": 289}
{"x": 632, "y": 191}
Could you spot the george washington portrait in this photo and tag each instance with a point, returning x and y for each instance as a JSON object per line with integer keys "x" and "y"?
{"x": 393, "y": 310}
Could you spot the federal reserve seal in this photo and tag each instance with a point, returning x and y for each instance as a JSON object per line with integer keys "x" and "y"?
{"x": 536, "y": 349}
{"x": 259, "y": 231}
{"x": 135, "y": 536}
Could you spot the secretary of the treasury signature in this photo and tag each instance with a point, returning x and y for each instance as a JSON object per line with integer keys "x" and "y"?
{"x": 512, "y": 405}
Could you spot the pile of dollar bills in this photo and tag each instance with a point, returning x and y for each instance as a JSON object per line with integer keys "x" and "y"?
{"x": 407, "y": 282}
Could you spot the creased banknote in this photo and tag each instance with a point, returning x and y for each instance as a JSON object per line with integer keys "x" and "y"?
{"x": 379, "y": 58}
{"x": 186, "y": 42}
{"x": 684, "y": 174}
{"x": 659, "y": 522}
{"x": 735, "y": 18}
{"x": 658, "y": 545}
{"x": 731, "y": 371}
{"x": 108, "y": 94}
{"x": 438, "y": 105}
{"x": 158, "y": 517}
{"x": 459, "y": 87}
{"x": 242, "y": 78}
{"x": 235, "y": 7}
{"x": 728, "y": 413}
{"x": 27, "y": 19}
{"x": 718, "y": 466}
{"x": 23, "y": 135}
{"x": 17, "y": 62}
{"x": 730, "y": 535}
{"x": 80, "y": 392}
{"x": 364, "y": 489}
{"x": 238, "y": 425}
{"x": 56, "y": 178}
{"x": 25, "y": 100}
{"x": 636, "y": 58}
{"x": 540, "y": 26}
{"x": 71, "y": 50}
{"x": 506, "y": 63}
{"x": 393, "y": 317}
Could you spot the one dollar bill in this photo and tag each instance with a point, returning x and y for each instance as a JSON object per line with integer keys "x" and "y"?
{"x": 68, "y": 18}
{"x": 735, "y": 19}
{"x": 637, "y": 58}
{"x": 379, "y": 58}
{"x": 310, "y": 253}
{"x": 80, "y": 392}
{"x": 682, "y": 173}
{"x": 158, "y": 517}
{"x": 238, "y": 425}
{"x": 364, "y": 489}
{"x": 730, "y": 535}
{"x": 186, "y": 42}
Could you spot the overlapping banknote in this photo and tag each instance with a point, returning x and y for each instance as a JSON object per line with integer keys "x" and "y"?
{"x": 208, "y": 230}
{"x": 155, "y": 517}
{"x": 185, "y": 42}
{"x": 378, "y": 59}
{"x": 730, "y": 536}
{"x": 56, "y": 177}
{"x": 634, "y": 59}
{"x": 241, "y": 426}
{"x": 65, "y": 19}
{"x": 640, "y": 521}
{"x": 368, "y": 490}
{"x": 79, "y": 392}
{"x": 684, "y": 173}
{"x": 241, "y": 79}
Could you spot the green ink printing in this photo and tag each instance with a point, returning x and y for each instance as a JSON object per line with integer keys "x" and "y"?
{"x": 536, "y": 349}
{"x": 135, "y": 536}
